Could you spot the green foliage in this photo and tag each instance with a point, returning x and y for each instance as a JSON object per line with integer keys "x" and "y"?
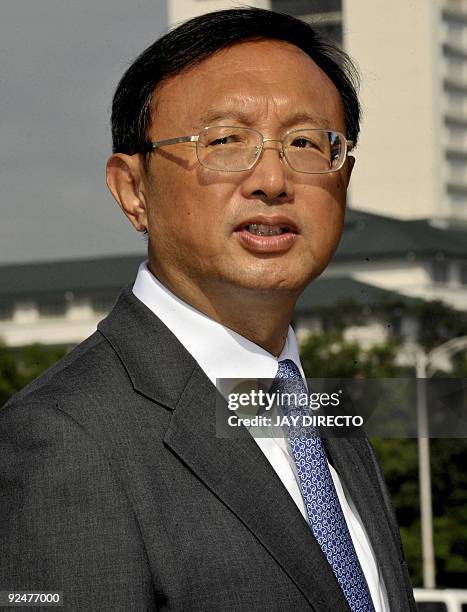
{"x": 329, "y": 355}
{"x": 20, "y": 365}
{"x": 459, "y": 365}
{"x": 399, "y": 462}
{"x": 437, "y": 322}
{"x": 448, "y": 461}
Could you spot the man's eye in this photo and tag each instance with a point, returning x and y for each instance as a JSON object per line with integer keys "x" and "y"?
{"x": 303, "y": 143}
{"x": 223, "y": 141}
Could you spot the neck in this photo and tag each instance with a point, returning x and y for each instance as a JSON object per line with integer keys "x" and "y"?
{"x": 259, "y": 319}
{"x": 263, "y": 317}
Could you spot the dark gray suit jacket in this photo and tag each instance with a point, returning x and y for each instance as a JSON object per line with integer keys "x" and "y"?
{"x": 116, "y": 491}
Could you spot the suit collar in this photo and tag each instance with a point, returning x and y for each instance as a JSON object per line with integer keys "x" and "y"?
{"x": 220, "y": 351}
{"x": 156, "y": 362}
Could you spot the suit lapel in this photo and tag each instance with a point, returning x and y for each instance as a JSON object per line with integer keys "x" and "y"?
{"x": 156, "y": 363}
{"x": 238, "y": 473}
{"x": 235, "y": 470}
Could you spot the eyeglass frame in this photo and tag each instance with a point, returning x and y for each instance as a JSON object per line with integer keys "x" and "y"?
{"x": 348, "y": 146}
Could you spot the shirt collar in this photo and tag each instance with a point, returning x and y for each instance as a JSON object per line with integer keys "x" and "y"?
{"x": 220, "y": 352}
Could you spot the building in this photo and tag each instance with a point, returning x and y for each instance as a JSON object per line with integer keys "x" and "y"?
{"x": 404, "y": 237}
{"x": 326, "y": 15}
{"x": 413, "y": 150}
{"x": 60, "y": 302}
{"x": 414, "y": 257}
{"x": 181, "y": 10}
{"x": 412, "y": 156}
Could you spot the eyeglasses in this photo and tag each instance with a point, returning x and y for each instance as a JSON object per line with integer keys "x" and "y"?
{"x": 228, "y": 148}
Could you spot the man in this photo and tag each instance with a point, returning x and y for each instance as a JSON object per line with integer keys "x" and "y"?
{"x": 231, "y": 139}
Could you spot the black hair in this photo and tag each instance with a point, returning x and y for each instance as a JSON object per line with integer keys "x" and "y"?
{"x": 200, "y": 37}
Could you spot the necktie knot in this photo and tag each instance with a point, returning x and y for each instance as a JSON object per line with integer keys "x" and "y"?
{"x": 288, "y": 369}
{"x": 289, "y": 381}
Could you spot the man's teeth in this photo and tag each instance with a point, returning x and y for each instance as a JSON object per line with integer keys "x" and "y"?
{"x": 265, "y": 230}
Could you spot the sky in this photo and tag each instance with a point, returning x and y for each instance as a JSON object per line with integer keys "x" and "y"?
{"x": 59, "y": 65}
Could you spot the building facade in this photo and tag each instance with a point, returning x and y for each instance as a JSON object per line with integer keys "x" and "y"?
{"x": 181, "y": 10}
{"x": 412, "y": 156}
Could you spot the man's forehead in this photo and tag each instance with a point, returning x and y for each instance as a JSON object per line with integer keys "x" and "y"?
{"x": 249, "y": 57}
{"x": 241, "y": 80}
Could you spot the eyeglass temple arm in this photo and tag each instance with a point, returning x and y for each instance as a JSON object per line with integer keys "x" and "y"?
{"x": 169, "y": 141}
{"x": 350, "y": 145}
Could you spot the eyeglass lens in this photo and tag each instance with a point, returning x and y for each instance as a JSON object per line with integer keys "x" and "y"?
{"x": 238, "y": 148}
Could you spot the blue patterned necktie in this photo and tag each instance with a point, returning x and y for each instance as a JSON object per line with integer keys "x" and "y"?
{"x": 323, "y": 508}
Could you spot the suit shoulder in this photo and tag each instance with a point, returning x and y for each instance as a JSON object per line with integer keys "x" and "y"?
{"x": 78, "y": 378}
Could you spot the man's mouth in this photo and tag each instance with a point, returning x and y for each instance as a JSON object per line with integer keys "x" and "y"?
{"x": 274, "y": 234}
{"x": 259, "y": 229}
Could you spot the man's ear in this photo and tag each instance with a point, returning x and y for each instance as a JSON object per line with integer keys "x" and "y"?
{"x": 124, "y": 179}
{"x": 350, "y": 166}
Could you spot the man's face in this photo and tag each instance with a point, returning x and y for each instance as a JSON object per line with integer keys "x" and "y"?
{"x": 196, "y": 217}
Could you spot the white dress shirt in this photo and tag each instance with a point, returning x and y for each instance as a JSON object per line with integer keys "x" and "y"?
{"x": 222, "y": 353}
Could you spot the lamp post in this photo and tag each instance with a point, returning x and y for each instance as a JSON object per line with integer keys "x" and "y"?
{"x": 426, "y": 366}
{"x": 424, "y": 474}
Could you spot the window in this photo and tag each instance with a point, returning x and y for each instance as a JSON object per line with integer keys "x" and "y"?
{"x": 52, "y": 307}
{"x": 455, "y": 67}
{"x": 6, "y": 311}
{"x": 102, "y": 304}
{"x": 325, "y": 16}
{"x": 439, "y": 273}
{"x": 463, "y": 275}
{"x": 456, "y": 100}
{"x": 457, "y": 168}
{"x": 455, "y": 31}
{"x": 304, "y": 7}
{"x": 456, "y": 134}
{"x": 329, "y": 31}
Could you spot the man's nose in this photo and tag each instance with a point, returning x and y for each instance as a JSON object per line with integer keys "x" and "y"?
{"x": 270, "y": 178}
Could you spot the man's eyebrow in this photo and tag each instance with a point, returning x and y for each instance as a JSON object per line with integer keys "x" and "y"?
{"x": 304, "y": 117}
{"x": 211, "y": 117}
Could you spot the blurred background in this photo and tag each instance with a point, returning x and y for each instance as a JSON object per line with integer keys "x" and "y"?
{"x": 392, "y": 303}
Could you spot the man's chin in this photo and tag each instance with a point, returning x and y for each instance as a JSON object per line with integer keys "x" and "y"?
{"x": 265, "y": 282}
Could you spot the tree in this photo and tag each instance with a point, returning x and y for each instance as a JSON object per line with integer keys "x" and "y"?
{"x": 20, "y": 365}
{"x": 329, "y": 355}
